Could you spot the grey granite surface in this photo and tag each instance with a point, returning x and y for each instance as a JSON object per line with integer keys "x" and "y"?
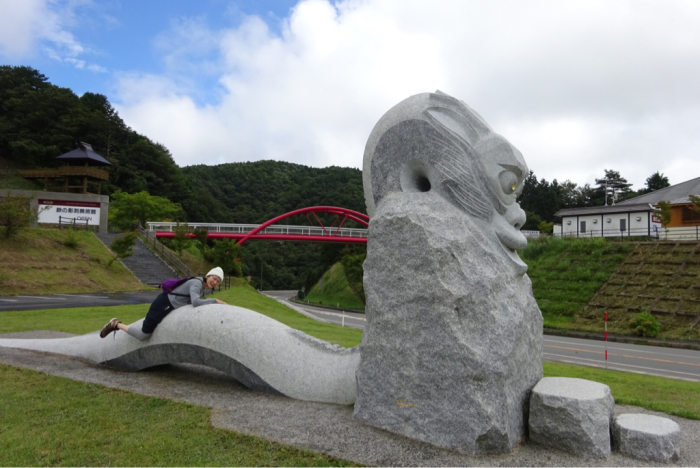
{"x": 257, "y": 350}
{"x": 573, "y": 415}
{"x": 647, "y": 437}
{"x": 453, "y": 340}
{"x": 324, "y": 428}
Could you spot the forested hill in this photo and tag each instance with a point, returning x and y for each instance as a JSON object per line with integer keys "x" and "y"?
{"x": 39, "y": 121}
{"x": 254, "y": 192}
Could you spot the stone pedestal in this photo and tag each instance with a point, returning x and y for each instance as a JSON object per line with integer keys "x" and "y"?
{"x": 647, "y": 437}
{"x": 572, "y": 415}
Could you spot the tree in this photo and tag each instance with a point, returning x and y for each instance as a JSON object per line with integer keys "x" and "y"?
{"x": 545, "y": 227}
{"x": 656, "y": 181}
{"x": 613, "y": 186}
{"x": 695, "y": 200}
{"x": 126, "y": 210}
{"x": 16, "y": 213}
{"x": 225, "y": 254}
{"x": 181, "y": 240}
{"x": 354, "y": 273}
{"x": 664, "y": 213}
{"x": 122, "y": 246}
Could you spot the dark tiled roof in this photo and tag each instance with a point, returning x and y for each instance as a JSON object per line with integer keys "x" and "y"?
{"x": 592, "y": 210}
{"x": 84, "y": 153}
{"x": 669, "y": 194}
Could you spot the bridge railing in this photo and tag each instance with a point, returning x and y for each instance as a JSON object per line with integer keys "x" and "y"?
{"x": 274, "y": 229}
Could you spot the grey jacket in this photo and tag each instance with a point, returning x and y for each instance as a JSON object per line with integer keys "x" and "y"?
{"x": 194, "y": 289}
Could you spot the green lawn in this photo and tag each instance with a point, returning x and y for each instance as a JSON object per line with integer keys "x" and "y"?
{"x": 85, "y": 424}
{"x": 54, "y": 421}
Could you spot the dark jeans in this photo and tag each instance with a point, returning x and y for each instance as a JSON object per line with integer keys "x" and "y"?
{"x": 159, "y": 309}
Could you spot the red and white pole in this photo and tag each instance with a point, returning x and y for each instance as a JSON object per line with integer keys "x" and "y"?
{"x": 606, "y": 340}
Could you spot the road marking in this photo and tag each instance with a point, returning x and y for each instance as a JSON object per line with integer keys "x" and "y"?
{"x": 595, "y": 363}
{"x": 623, "y": 355}
{"x": 335, "y": 314}
{"x": 618, "y": 347}
{"x": 8, "y": 300}
{"x": 46, "y": 298}
{"x": 91, "y": 297}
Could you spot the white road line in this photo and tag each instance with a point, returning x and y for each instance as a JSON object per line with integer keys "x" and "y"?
{"x": 610, "y": 367}
{"x": 612, "y": 347}
{"x": 347, "y": 317}
{"x": 598, "y": 361}
{"x": 75, "y": 295}
{"x": 8, "y": 300}
{"x": 46, "y": 298}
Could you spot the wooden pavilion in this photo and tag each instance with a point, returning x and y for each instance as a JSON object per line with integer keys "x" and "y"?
{"x": 79, "y": 172}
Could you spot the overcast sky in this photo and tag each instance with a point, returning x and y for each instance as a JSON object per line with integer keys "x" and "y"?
{"x": 577, "y": 86}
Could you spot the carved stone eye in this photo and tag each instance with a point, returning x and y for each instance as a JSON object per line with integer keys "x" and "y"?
{"x": 509, "y": 182}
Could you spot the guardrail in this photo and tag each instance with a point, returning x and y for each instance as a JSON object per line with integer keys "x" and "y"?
{"x": 170, "y": 256}
{"x": 274, "y": 229}
{"x": 71, "y": 222}
{"x": 167, "y": 254}
{"x": 689, "y": 233}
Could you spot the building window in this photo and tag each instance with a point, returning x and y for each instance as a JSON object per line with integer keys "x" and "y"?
{"x": 623, "y": 225}
{"x": 690, "y": 215}
{"x": 583, "y": 226}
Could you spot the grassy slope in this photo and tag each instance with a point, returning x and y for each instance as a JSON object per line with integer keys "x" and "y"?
{"x": 660, "y": 278}
{"x": 567, "y": 272}
{"x": 37, "y": 261}
{"x": 16, "y": 182}
{"x": 333, "y": 289}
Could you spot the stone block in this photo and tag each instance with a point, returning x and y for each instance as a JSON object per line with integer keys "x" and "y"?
{"x": 647, "y": 437}
{"x": 574, "y": 415}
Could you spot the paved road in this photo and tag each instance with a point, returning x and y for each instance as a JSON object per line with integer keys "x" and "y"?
{"x": 59, "y": 301}
{"x": 651, "y": 360}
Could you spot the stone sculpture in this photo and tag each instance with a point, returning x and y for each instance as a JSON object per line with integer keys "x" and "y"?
{"x": 453, "y": 340}
{"x": 261, "y": 353}
{"x": 574, "y": 415}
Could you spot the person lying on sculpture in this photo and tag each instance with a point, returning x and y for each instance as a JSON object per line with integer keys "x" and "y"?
{"x": 189, "y": 292}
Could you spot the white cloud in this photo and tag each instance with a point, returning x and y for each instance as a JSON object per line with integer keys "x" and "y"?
{"x": 577, "y": 86}
{"x": 26, "y": 23}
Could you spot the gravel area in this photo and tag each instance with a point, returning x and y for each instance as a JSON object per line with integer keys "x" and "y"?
{"x": 325, "y": 428}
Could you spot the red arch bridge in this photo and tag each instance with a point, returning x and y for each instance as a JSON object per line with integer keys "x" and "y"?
{"x": 315, "y": 232}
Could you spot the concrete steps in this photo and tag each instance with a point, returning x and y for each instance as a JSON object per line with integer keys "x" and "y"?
{"x": 144, "y": 264}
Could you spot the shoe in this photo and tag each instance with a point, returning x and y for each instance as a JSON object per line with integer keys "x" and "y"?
{"x": 110, "y": 327}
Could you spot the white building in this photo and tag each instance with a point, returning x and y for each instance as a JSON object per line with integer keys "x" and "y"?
{"x": 610, "y": 221}
{"x": 635, "y": 217}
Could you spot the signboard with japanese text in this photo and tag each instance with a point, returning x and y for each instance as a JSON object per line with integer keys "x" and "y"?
{"x": 51, "y": 210}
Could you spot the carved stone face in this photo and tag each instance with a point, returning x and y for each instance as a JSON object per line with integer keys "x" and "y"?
{"x": 433, "y": 142}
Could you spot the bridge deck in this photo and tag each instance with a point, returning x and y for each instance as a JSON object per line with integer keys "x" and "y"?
{"x": 275, "y": 232}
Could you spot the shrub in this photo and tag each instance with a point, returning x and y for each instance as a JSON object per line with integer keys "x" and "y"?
{"x": 71, "y": 239}
{"x": 644, "y": 324}
{"x": 16, "y": 213}
{"x": 121, "y": 246}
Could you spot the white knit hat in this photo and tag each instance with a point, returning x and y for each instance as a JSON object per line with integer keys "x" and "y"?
{"x": 218, "y": 272}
